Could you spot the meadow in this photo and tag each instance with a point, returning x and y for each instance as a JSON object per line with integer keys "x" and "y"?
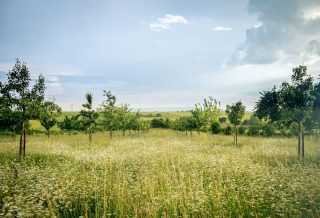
{"x": 161, "y": 173}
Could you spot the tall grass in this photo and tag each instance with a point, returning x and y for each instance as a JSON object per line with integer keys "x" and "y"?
{"x": 159, "y": 174}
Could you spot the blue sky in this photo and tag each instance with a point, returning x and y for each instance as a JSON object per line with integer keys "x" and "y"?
{"x": 160, "y": 55}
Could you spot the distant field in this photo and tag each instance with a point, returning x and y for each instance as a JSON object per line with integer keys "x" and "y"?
{"x": 159, "y": 174}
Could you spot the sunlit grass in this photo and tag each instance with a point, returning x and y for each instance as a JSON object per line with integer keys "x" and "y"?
{"x": 160, "y": 173}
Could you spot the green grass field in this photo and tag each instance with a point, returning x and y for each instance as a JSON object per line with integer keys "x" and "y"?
{"x": 161, "y": 173}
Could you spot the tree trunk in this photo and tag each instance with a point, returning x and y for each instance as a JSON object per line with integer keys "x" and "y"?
{"x": 110, "y": 134}
{"x": 48, "y": 132}
{"x": 24, "y": 141}
{"x": 299, "y": 141}
{"x": 21, "y": 140}
{"x": 123, "y": 132}
{"x": 90, "y": 137}
{"x": 302, "y": 145}
{"x": 236, "y": 136}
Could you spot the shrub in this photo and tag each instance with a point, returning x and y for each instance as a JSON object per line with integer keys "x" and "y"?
{"x": 253, "y": 130}
{"x": 222, "y": 120}
{"x": 241, "y": 130}
{"x": 252, "y": 121}
{"x": 160, "y": 123}
{"x": 215, "y": 128}
{"x": 268, "y": 130}
{"x": 228, "y": 130}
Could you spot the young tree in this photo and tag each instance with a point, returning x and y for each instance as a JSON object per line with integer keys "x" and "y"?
{"x": 207, "y": 113}
{"x": 69, "y": 124}
{"x": 123, "y": 117}
{"x": 235, "y": 113}
{"x": 21, "y": 99}
{"x": 293, "y": 103}
{"x": 48, "y": 115}
{"x": 134, "y": 119}
{"x": 88, "y": 116}
{"x": 108, "y": 111}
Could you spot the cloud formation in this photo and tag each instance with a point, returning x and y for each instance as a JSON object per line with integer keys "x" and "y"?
{"x": 53, "y": 85}
{"x": 287, "y": 31}
{"x": 222, "y": 28}
{"x": 164, "y": 23}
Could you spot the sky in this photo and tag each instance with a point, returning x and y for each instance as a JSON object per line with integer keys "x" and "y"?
{"x": 160, "y": 55}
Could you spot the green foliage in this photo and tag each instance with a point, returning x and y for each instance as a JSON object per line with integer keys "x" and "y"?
{"x": 160, "y": 123}
{"x": 206, "y": 114}
{"x": 88, "y": 116}
{"x": 215, "y": 128}
{"x": 119, "y": 117}
{"x": 49, "y": 113}
{"x": 108, "y": 112}
{"x": 222, "y": 120}
{"x": 70, "y": 124}
{"x": 268, "y": 130}
{"x": 242, "y": 130}
{"x": 253, "y": 130}
{"x": 235, "y": 113}
{"x": 228, "y": 130}
{"x": 252, "y": 121}
{"x": 186, "y": 124}
{"x": 20, "y": 101}
{"x": 294, "y": 102}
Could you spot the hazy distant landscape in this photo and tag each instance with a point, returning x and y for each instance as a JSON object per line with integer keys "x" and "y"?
{"x": 172, "y": 108}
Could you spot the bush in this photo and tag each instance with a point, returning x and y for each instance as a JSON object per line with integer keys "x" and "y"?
{"x": 160, "y": 123}
{"x": 268, "y": 130}
{"x": 253, "y": 121}
{"x": 222, "y": 120}
{"x": 241, "y": 130}
{"x": 215, "y": 128}
{"x": 228, "y": 130}
{"x": 253, "y": 130}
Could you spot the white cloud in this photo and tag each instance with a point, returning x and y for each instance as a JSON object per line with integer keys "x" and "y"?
{"x": 280, "y": 35}
{"x": 312, "y": 13}
{"x": 222, "y": 28}
{"x": 53, "y": 85}
{"x": 164, "y": 23}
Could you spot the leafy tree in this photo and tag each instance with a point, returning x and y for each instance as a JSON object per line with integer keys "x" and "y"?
{"x": 48, "y": 115}
{"x": 215, "y": 128}
{"x": 88, "y": 116}
{"x": 134, "y": 119}
{"x": 293, "y": 103}
{"x": 143, "y": 125}
{"x": 123, "y": 117}
{"x": 186, "y": 124}
{"x": 21, "y": 100}
{"x": 207, "y": 113}
{"x": 108, "y": 111}
{"x": 69, "y": 124}
{"x": 235, "y": 113}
